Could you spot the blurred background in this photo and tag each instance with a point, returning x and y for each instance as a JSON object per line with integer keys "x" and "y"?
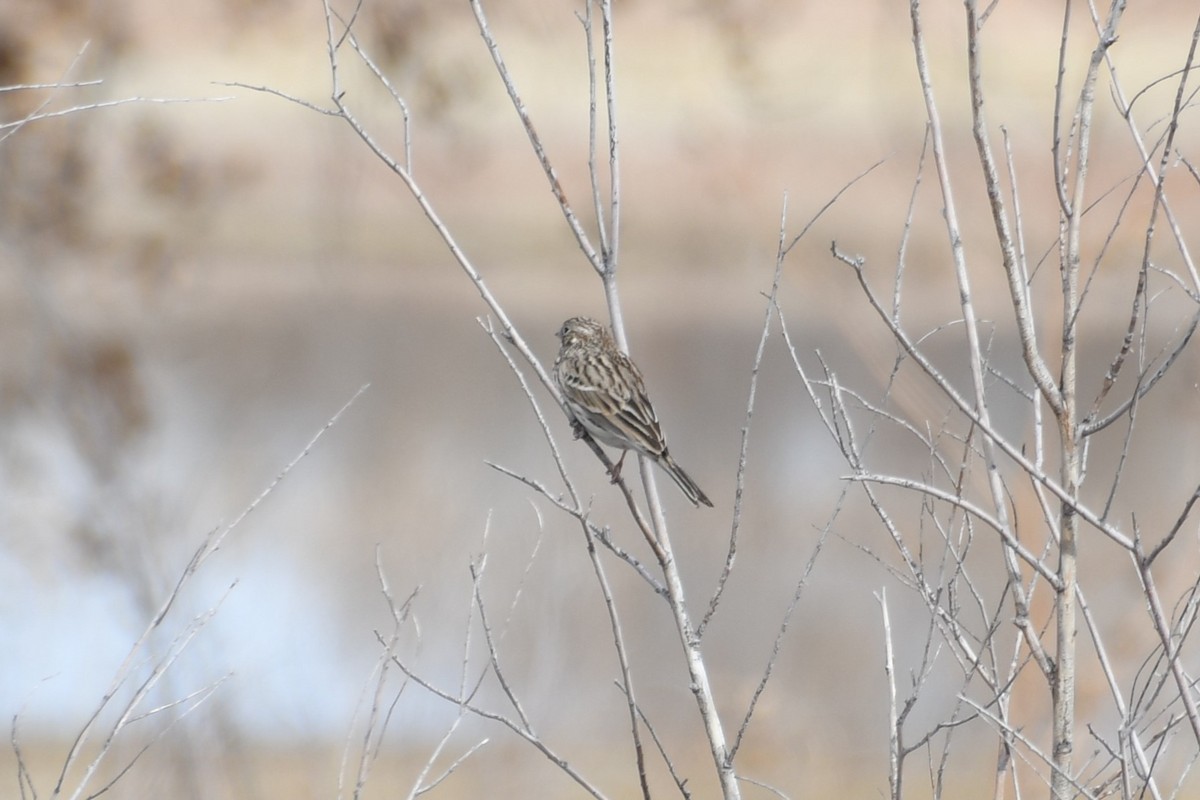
{"x": 189, "y": 291}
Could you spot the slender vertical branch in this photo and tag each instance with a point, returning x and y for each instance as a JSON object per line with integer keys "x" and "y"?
{"x": 895, "y": 787}
{"x": 593, "y": 116}
{"x": 535, "y": 140}
{"x": 975, "y": 351}
{"x": 1017, "y": 288}
{"x": 614, "y": 149}
{"x": 1070, "y": 441}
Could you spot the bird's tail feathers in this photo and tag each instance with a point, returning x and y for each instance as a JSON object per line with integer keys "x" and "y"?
{"x": 689, "y": 487}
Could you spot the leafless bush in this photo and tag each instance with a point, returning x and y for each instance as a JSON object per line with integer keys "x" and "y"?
{"x": 976, "y": 483}
{"x": 1034, "y": 453}
{"x": 989, "y": 497}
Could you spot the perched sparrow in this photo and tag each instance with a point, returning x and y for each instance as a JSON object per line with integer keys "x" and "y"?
{"x": 604, "y": 392}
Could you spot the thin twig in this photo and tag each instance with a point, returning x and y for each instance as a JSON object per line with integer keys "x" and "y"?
{"x": 784, "y": 247}
{"x": 209, "y": 545}
{"x": 526, "y": 735}
{"x": 535, "y": 140}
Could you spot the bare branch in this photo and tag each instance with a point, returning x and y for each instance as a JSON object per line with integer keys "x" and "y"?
{"x": 1006, "y": 446}
{"x": 526, "y": 735}
{"x": 1028, "y": 557}
{"x": 209, "y": 545}
{"x": 1017, "y": 286}
{"x": 784, "y": 247}
{"x": 1169, "y": 644}
{"x": 889, "y": 671}
{"x": 535, "y": 141}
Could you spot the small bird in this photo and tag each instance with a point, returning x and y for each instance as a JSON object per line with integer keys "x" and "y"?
{"x": 607, "y": 398}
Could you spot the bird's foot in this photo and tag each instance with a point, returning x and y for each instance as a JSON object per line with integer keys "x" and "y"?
{"x": 615, "y": 472}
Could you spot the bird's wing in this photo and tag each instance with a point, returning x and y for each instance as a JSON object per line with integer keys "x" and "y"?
{"x": 613, "y": 395}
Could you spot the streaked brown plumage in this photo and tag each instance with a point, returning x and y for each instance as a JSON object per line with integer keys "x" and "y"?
{"x": 606, "y": 396}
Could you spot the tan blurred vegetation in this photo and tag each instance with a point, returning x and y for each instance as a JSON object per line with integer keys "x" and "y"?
{"x": 189, "y": 291}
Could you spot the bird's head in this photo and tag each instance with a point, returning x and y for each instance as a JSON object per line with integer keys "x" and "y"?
{"x": 582, "y": 330}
